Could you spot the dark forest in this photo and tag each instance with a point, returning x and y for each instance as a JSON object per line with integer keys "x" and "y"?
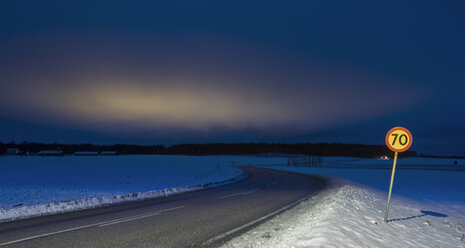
{"x": 263, "y": 149}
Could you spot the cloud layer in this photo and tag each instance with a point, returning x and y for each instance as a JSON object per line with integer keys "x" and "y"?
{"x": 198, "y": 84}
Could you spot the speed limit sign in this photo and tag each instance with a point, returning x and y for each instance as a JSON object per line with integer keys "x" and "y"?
{"x": 398, "y": 139}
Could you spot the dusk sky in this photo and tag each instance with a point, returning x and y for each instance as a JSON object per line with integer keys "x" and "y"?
{"x": 143, "y": 72}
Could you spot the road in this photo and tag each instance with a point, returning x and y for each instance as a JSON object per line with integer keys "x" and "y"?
{"x": 204, "y": 218}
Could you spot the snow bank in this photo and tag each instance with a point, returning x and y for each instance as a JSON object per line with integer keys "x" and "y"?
{"x": 61, "y": 207}
{"x": 427, "y": 210}
{"x": 32, "y": 185}
{"x": 349, "y": 215}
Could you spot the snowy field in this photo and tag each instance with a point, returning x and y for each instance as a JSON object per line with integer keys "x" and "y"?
{"x": 427, "y": 208}
{"x": 33, "y": 185}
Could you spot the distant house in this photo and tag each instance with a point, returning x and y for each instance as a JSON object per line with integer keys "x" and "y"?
{"x": 109, "y": 153}
{"x": 86, "y": 153}
{"x": 51, "y": 153}
{"x": 384, "y": 157}
{"x": 13, "y": 151}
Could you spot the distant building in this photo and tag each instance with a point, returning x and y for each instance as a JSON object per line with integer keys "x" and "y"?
{"x": 109, "y": 153}
{"x": 384, "y": 157}
{"x": 13, "y": 151}
{"x": 51, "y": 153}
{"x": 86, "y": 153}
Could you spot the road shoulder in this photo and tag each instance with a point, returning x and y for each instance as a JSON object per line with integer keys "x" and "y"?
{"x": 278, "y": 230}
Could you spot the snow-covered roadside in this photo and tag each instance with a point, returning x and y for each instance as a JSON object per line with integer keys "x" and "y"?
{"x": 62, "y": 207}
{"x": 350, "y": 214}
{"x": 34, "y": 186}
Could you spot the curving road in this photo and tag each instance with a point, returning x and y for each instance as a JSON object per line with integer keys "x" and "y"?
{"x": 201, "y": 218}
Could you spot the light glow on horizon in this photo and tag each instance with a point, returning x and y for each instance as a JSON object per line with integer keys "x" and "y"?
{"x": 120, "y": 104}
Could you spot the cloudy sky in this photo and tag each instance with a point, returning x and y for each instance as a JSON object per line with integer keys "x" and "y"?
{"x": 239, "y": 71}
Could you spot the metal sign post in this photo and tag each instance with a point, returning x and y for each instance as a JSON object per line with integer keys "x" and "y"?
{"x": 398, "y": 139}
{"x": 390, "y": 186}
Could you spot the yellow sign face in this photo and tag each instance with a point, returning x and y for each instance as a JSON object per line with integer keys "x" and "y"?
{"x": 399, "y": 139}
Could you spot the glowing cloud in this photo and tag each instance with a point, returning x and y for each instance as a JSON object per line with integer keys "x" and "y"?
{"x": 226, "y": 85}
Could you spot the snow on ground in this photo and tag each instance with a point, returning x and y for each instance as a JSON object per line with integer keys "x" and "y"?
{"x": 33, "y": 185}
{"x": 427, "y": 209}
{"x": 406, "y": 163}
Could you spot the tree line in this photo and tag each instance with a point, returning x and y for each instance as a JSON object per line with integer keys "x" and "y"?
{"x": 310, "y": 149}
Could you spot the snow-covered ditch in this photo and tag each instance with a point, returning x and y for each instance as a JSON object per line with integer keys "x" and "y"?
{"x": 32, "y": 186}
{"x": 427, "y": 210}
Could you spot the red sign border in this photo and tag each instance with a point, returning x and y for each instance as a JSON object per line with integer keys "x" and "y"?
{"x": 409, "y": 136}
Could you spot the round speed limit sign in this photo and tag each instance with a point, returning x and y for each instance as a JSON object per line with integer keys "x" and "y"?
{"x": 399, "y": 139}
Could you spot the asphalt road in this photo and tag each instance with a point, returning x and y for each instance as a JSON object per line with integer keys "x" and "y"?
{"x": 195, "y": 219}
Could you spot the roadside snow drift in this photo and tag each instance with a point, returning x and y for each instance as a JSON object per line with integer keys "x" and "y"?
{"x": 32, "y": 185}
{"x": 427, "y": 210}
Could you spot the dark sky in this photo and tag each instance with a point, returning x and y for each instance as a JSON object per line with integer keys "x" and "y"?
{"x": 238, "y": 71}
